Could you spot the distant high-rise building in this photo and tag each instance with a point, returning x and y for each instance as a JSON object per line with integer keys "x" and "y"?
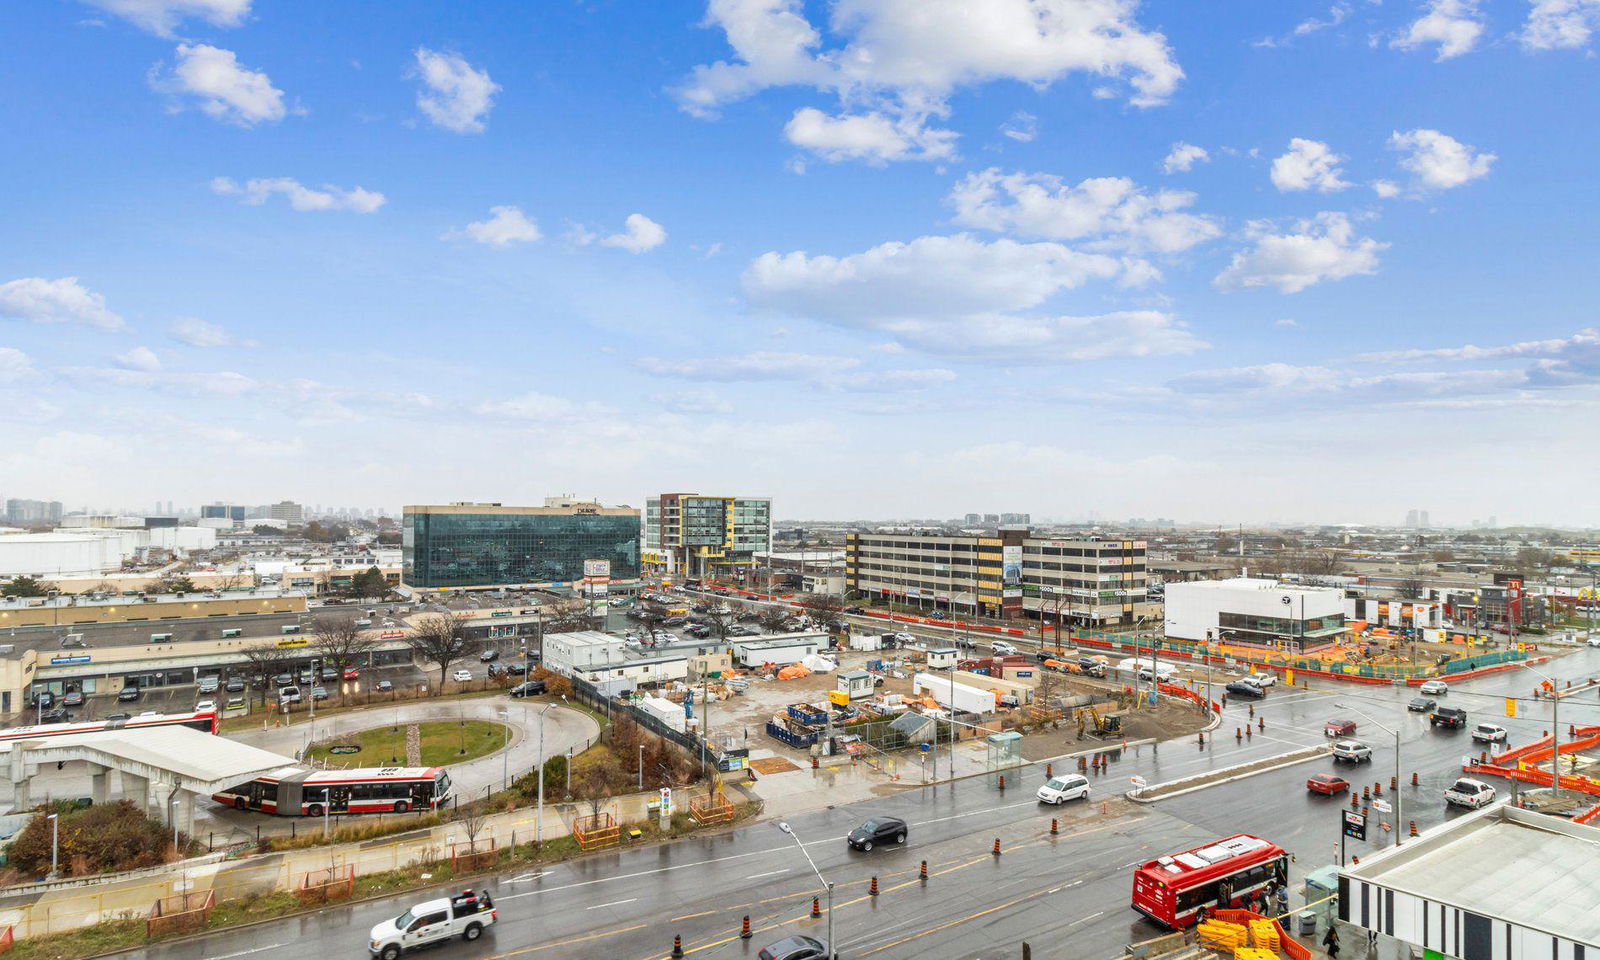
{"x": 991, "y": 518}
{"x": 287, "y": 511}
{"x": 1015, "y": 518}
{"x": 1494, "y": 522}
{"x": 973, "y": 519}
{"x": 33, "y": 512}
{"x": 223, "y": 511}
{"x": 1411, "y": 518}
{"x": 492, "y": 545}
{"x": 1422, "y": 519}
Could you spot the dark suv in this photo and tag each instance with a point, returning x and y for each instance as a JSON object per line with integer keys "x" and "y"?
{"x": 1453, "y": 717}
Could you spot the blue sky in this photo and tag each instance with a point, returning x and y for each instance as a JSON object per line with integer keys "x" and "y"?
{"x": 1227, "y": 262}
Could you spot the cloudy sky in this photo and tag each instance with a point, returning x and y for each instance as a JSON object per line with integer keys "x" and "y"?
{"x": 1230, "y": 262}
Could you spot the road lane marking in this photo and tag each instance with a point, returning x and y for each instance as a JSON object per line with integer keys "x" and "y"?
{"x": 246, "y": 953}
{"x": 527, "y": 876}
{"x": 614, "y": 903}
{"x": 772, "y": 873}
{"x": 691, "y": 916}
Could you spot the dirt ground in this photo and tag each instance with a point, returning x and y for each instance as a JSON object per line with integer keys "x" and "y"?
{"x": 1162, "y": 722}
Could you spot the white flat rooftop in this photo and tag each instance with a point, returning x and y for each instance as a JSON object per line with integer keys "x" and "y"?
{"x": 205, "y": 761}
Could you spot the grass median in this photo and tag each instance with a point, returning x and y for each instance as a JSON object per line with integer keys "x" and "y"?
{"x": 443, "y": 742}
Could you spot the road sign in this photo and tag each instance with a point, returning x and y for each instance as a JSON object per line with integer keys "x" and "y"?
{"x": 1382, "y": 806}
{"x": 1138, "y": 782}
{"x": 1355, "y": 825}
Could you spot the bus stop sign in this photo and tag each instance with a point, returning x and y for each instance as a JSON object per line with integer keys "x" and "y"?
{"x": 1355, "y": 825}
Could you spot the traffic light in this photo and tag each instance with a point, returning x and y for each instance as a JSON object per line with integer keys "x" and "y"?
{"x": 1511, "y": 706}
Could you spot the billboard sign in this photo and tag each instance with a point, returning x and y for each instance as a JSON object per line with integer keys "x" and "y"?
{"x": 597, "y": 569}
{"x": 1355, "y": 825}
{"x": 1011, "y": 571}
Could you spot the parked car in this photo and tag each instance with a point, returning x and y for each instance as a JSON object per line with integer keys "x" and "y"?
{"x": 1484, "y": 733}
{"x": 466, "y": 915}
{"x": 1001, "y": 648}
{"x": 351, "y": 673}
{"x": 118, "y": 716}
{"x": 1327, "y": 784}
{"x": 489, "y": 654}
{"x": 527, "y": 688}
{"x": 72, "y": 698}
{"x": 307, "y": 677}
{"x": 207, "y": 685}
{"x": 517, "y": 669}
{"x": 1352, "y": 751}
{"x": 283, "y": 680}
{"x": 234, "y": 685}
{"x": 699, "y": 630}
{"x": 319, "y": 693}
{"x": 796, "y": 947}
{"x": 674, "y": 621}
{"x": 462, "y": 676}
{"x": 1165, "y": 675}
{"x": 1243, "y": 688}
{"x": 288, "y": 695}
{"x": 206, "y": 706}
{"x": 328, "y": 675}
{"x": 878, "y": 830}
{"x": 1421, "y": 704}
{"x": 383, "y": 686}
{"x": 1338, "y": 728}
{"x": 1453, "y": 717}
{"x": 1468, "y": 792}
{"x": 129, "y": 694}
{"x": 1059, "y": 790}
{"x": 1435, "y": 687}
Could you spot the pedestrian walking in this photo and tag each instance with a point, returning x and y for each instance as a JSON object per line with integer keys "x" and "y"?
{"x": 1283, "y": 900}
{"x": 1330, "y": 942}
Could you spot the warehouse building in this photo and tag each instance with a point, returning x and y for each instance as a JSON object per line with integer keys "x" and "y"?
{"x": 1256, "y": 611}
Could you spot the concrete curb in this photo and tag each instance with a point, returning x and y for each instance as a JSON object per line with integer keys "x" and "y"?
{"x": 1216, "y": 778}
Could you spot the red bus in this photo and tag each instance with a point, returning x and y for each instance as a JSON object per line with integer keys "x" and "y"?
{"x": 1172, "y": 890}
{"x": 301, "y": 792}
{"x": 205, "y": 722}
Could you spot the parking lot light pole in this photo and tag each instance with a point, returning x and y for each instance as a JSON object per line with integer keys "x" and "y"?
{"x": 55, "y": 843}
{"x": 538, "y": 817}
{"x": 1399, "y": 795}
{"x": 833, "y": 951}
{"x": 505, "y": 750}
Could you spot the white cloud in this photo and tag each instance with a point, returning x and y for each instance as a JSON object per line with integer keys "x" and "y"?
{"x": 1455, "y": 25}
{"x": 1183, "y": 157}
{"x": 64, "y": 300}
{"x": 1022, "y": 127}
{"x": 1439, "y": 161}
{"x": 456, "y": 96}
{"x": 200, "y": 333}
{"x": 1387, "y": 189}
{"x": 536, "y": 406}
{"x": 1337, "y": 14}
{"x": 1559, "y": 359}
{"x": 902, "y": 59}
{"x": 1309, "y": 165}
{"x": 872, "y": 137}
{"x": 224, "y": 88}
{"x": 506, "y": 225}
{"x": 139, "y": 358}
{"x": 1286, "y": 322}
{"x": 161, "y": 16}
{"x": 756, "y": 365}
{"x": 1112, "y": 213}
{"x": 15, "y": 366}
{"x": 1561, "y": 24}
{"x": 966, "y": 297}
{"x": 890, "y": 381}
{"x": 301, "y": 197}
{"x": 640, "y": 234}
{"x": 1322, "y": 248}
{"x": 692, "y": 401}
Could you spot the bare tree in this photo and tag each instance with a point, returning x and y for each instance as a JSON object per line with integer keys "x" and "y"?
{"x": 440, "y": 640}
{"x": 1411, "y": 588}
{"x": 340, "y": 643}
{"x": 773, "y": 618}
{"x": 598, "y": 782}
{"x": 565, "y": 615}
{"x": 263, "y": 664}
{"x": 651, "y": 614}
{"x": 823, "y": 607}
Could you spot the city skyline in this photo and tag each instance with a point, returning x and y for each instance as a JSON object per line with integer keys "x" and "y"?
{"x": 1312, "y": 262}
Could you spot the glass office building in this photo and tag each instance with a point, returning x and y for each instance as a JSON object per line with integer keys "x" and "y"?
{"x": 489, "y": 545}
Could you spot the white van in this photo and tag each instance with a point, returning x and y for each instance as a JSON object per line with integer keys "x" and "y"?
{"x": 287, "y": 695}
{"x": 466, "y": 914}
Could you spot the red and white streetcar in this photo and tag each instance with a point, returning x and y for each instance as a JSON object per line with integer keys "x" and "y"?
{"x": 301, "y": 792}
{"x": 1172, "y": 890}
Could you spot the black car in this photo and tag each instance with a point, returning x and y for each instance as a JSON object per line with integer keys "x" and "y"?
{"x": 319, "y": 693}
{"x": 1243, "y": 688}
{"x": 527, "y": 688}
{"x": 516, "y": 669}
{"x": 384, "y": 686}
{"x": 795, "y": 948}
{"x": 283, "y": 680}
{"x": 72, "y": 698}
{"x": 489, "y": 654}
{"x": 118, "y": 716}
{"x": 1421, "y": 704}
{"x": 1453, "y": 717}
{"x": 878, "y": 830}
{"x": 329, "y": 675}
{"x": 129, "y": 694}
{"x": 58, "y": 715}
{"x": 234, "y": 685}
{"x": 44, "y": 699}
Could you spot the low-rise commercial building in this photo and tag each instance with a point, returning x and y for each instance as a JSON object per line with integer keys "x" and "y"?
{"x": 1256, "y": 611}
{"x": 700, "y": 535}
{"x": 1009, "y": 575}
{"x": 478, "y": 546}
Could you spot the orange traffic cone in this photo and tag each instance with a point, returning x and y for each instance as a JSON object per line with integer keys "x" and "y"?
{"x": 1055, "y": 827}
{"x": 872, "y": 888}
{"x": 1413, "y": 828}
{"x": 1002, "y": 783}
{"x": 923, "y": 876}
{"x": 816, "y": 908}
{"x": 1413, "y": 778}
{"x": 997, "y": 846}
{"x": 744, "y": 931}
{"x": 677, "y": 946}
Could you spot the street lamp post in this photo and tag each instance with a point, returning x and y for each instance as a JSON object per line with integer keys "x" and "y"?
{"x": 1399, "y": 795}
{"x": 55, "y": 843}
{"x": 1555, "y": 731}
{"x": 538, "y": 817}
{"x": 641, "y": 766}
{"x": 783, "y": 825}
{"x": 505, "y": 750}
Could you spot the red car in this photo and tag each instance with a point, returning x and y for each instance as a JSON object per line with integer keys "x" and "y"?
{"x": 1327, "y": 784}
{"x": 1339, "y": 728}
{"x": 351, "y": 673}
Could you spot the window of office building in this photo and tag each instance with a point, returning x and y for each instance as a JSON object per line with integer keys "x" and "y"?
{"x": 465, "y": 550}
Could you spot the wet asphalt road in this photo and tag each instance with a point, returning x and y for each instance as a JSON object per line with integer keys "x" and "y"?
{"x": 1067, "y": 896}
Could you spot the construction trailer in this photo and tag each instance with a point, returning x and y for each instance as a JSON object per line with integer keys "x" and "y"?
{"x": 857, "y": 684}
{"x": 779, "y": 650}
{"x": 954, "y": 694}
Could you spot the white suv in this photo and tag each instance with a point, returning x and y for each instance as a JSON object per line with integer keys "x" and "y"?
{"x": 466, "y": 914}
{"x": 1468, "y": 792}
{"x": 1489, "y": 733}
{"x": 1352, "y": 751}
{"x": 1000, "y": 648}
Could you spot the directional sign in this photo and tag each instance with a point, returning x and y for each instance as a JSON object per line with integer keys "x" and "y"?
{"x": 1382, "y": 806}
{"x": 1138, "y": 782}
{"x": 1355, "y": 825}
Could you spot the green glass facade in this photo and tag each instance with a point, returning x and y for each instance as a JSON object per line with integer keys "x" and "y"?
{"x": 449, "y": 550}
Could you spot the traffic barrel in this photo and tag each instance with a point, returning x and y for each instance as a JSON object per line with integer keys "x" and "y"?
{"x": 744, "y": 931}
{"x": 1002, "y": 783}
{"x": 1248, "y": 735}
{"x": 923, "y": 875}
{"x": 1354, "y": 801}
{"x": 813, "y": 763}
{"x": 1377, "y": 789}
{"x": 677, "y": 946}
{"x": 1049, "y": 771}
{"x": 997, "y": 846}
{"x": 1413, "y": 828}
{"x": 1261, "y": 722}
{"x": 1055, "y": 827}
{"x": 1366, "y": 793}
{"x": 1252, "y": 709}
{"x": 872, "y": 888}
{"x": 1413, "y": 778}
{"x": 1238, "y": 733}
{"x": 1083, "y": 763}
{"x": 816, "y": 908}
{"x": 1202, "y": 739}
{"x": 1394, "y": 783}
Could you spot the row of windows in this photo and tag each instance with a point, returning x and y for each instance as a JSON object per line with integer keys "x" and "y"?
{"x": 1078, "y": 567}
{"x": 1278, "y": 625}
{"x": 456, "y": 550}
{"x": 1084, "y": 552}
{"x": 921, "y": 545}
{"x": 943, "y": 561}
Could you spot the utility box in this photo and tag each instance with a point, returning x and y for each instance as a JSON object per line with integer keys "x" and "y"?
{"x": 856, "y": 684}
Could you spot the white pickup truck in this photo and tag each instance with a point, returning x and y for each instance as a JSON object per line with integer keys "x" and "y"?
{"x": 465, "y": 914}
